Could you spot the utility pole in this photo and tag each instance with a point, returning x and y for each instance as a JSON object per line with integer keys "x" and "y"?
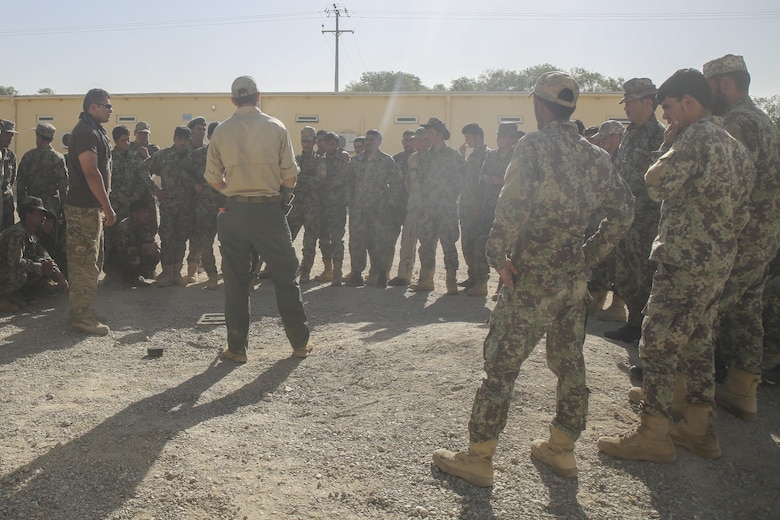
{"x": 337, "y": 10}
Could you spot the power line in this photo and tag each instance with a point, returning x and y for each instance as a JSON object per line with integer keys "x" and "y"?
{"x": 338, "y": 10}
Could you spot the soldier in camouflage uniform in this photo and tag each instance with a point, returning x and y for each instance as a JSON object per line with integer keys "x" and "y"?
{"x": 44, "y": 174}
{"x": 305, "y": 212}
{"x": 413, "y": 188}
{"x": 492, "y": 180}
{"x": 442, "y": 171}
{"x": 398, "y": 213}
{"x": 374, "y": 190}
{"x": 633, "y": 269}
{"x": 739, "y": 336}
{"x": 141, "y": 145}
{"x": 23, "y": 261}
{"x": 8, "y": 170}
{"x": 208, "y": 201}
{"x": 130, "y": 179}
{"x": 177, "y": 213}
{"x": 554, "y": 183}
{"x": 470, "y": 206}
{"x": 333, "y": 205}
{"x": 133, "y": 254}
{"x": 702, "y": 182}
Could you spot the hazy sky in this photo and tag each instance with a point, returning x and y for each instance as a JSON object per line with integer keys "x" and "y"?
{"x": 200, "y": 46}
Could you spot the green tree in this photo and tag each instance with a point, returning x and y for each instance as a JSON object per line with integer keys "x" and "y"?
{"x": 8, "y": 91}
{"x": 504, "y": 80}
{"x": 46, "y": 91}
{"x": 770, "y": 105}
{"x": 386, "y": 81}
{"x": 464, "y": 84}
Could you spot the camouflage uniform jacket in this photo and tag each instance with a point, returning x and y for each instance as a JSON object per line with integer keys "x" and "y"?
{"x": 311, "y": 177}
{"x": 401, "y": 160}
{"x": 167, "y": 164}
{"x": 555, "y": 182}
{"x": 495, "y": 167}
{"x": 752, "y": 127}
{"x": 194, "y": 166}
{"x": 337, "y": 179}
{"x": 473, "y": 192}
{"x": 151, "y": 148}
{"x": 8, "y": 167}
{"x": 20, "y": 250}
{"x": 634, "y": 156}
{"x": 376, "y": 183}
{"x": 442, "y": 175}
{"x": 127, "y": 238}
{"x": 43, "y": 173}
{"x": 702, "y": 182}
{"x": 412, "y": 183}
{"x": 129, "y": 176}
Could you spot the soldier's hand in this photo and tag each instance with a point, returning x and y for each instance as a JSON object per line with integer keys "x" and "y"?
{"x": 110, "y": 216}
{"x": 462, "y": 149}
{"x": 507, "y": 274}
{"x": 62, "y": 284}
{"x": 143, "y": 152}
{"x": 671, "y": 132}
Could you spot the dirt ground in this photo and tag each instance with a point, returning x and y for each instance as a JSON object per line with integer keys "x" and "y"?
{"x": 92, "y": 428}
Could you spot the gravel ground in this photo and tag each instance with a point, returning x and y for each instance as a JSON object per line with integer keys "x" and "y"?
{"x": 93, "y": 429}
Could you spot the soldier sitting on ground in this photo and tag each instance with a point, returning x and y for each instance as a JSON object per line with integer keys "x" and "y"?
{"x": 24, "y": 263}
{"x": 134, "y": 254}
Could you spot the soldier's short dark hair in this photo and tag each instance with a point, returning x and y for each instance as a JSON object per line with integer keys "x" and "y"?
{"x": 473, "y": 129}
{"x": 139, "y": 205}
{"x": 182, "y": 131}
{"x": 321, "y": 133}
{"x": 408, "y": 134}
{"x": 210, "y": 129}
{"x": 741, "y": 79}
{"x": 119, "y": 131}
{"x": 332, "y": 136}
{"x": 580, "y": 126}
{"x": 684, "y": 82}
{"x": 375, "y": 133}
{"x": 360, "y": 139}
{"x": 95, "y": 95}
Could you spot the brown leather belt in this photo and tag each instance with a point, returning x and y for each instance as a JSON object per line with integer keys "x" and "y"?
{"x": 254, "y": 200}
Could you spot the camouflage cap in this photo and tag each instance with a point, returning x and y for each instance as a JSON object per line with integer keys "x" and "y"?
{"x": 182, "y": 131}
{"x": 507, "y": 130}
{"x": 8, "y": 126}
{"x": 46, "y": 130}
{"x": 438, "y": 125}
{"x": 143, "y": 126}
{"x": 724, "y": 65}
{"x": 32, "y": 203}
{"x": 609, "y": 127}
{"x": 419, "y": 133}
{"x": 200, "y": 120}
{"x": 408, "y": 134}
{"x": 243, "y": 86}
{"x": 551, "y": 86}
{"x": 308, "y": 133}
{"x": 637, "y": 88}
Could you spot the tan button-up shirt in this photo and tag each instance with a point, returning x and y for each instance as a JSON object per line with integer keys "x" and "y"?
{"x": 251, "y": 152}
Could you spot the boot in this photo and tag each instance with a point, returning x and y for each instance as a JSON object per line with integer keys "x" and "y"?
{"x": 372, "y": 277}
{"x": 381, "y": 280}
{"x": 425, "y": 283}
{"x": 7, "y": 305}
{"x": 452, "y": 282}
{"x": 468, "y": 282}
{"x": 474, "y": 466}
{"x": 398, "y": 282}
{"x": 478, "y": 289}
{"x": 679, "y": 396}
{"x": 738, "y": 394}
{"x": 211, "y": 285}
{"x": 557, "y": 452}
{"x": 327, "y": 273}
{"x": 597, "y": 299}
{"x": 615, "y": 312}
{"x": 355, "y": 279}
{"x": 345, "y": 278}
{"x": 695, "y": 432}
{"x": 649, "y": 441}
{"x": 165, "y": 278}
{"x": 90, "y": 326}
{"x": 627, "y": 333}
{"x": 178, "y": 279}
{"x": 335, "y": 274}
{"x": 192, "y": 272}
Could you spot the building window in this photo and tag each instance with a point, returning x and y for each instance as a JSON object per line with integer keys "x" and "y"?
{"x": 510, "y": 119}
{"x": 45, "y": 119}
{"x": 125, "y": 119}
{"x": 307, "y": 119}
{"x": 406, "y": 120}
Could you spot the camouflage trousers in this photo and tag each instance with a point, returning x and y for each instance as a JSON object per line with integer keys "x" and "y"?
{"x": 306, "y": 214}
{"x": 205, "y": 230}
{"x": 394, "y": 224}
{"x": 408, "y": 244}
{"x": 518, "y": 323}
{"x": 474, "y": 237}
{"x": 369, "y": 232}
{"x": 771, "y": 318}
{"x": 677, "y": 333}
{"x": 175, "y": 229}
{"x": 739, "y": 335}
{"x": 17, "y": 279}
{"x": 7, "y": 210}
{"x": 128, "y": 268}
{"x": 333, "y": 222}
{"x": 633, "y": 270}
{"x": 438, "y": 225}
{"x": 85, "y": 249}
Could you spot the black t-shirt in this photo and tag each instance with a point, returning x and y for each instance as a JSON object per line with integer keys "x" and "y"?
{"x": 87, "y": 135}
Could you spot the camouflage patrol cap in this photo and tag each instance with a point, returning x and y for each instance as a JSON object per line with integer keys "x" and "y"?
{"x": 46, "y": 130}
{"x": 724, "y": 65}
{"x": 637, "y": 88}
{"x": 308, "y": 133}
{"x": 29, "y": 203}
{"x": 243, "y": 86}
{"x": 507, "y": 130}
{"x": 200, "y": 120}
{"x": 143, "y": 126}
{"x": 408, "y": 134}
{"x": 419, "y": 133}
{"x": 609, "y": 127}
{"x": 552, "y": 85}
{"x": 438, "y": 125}
{"x": 8, "y": 126}
{"x": 182, "y": 131}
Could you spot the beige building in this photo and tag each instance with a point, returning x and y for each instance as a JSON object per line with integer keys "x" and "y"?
{"x": 349, "y": 114}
